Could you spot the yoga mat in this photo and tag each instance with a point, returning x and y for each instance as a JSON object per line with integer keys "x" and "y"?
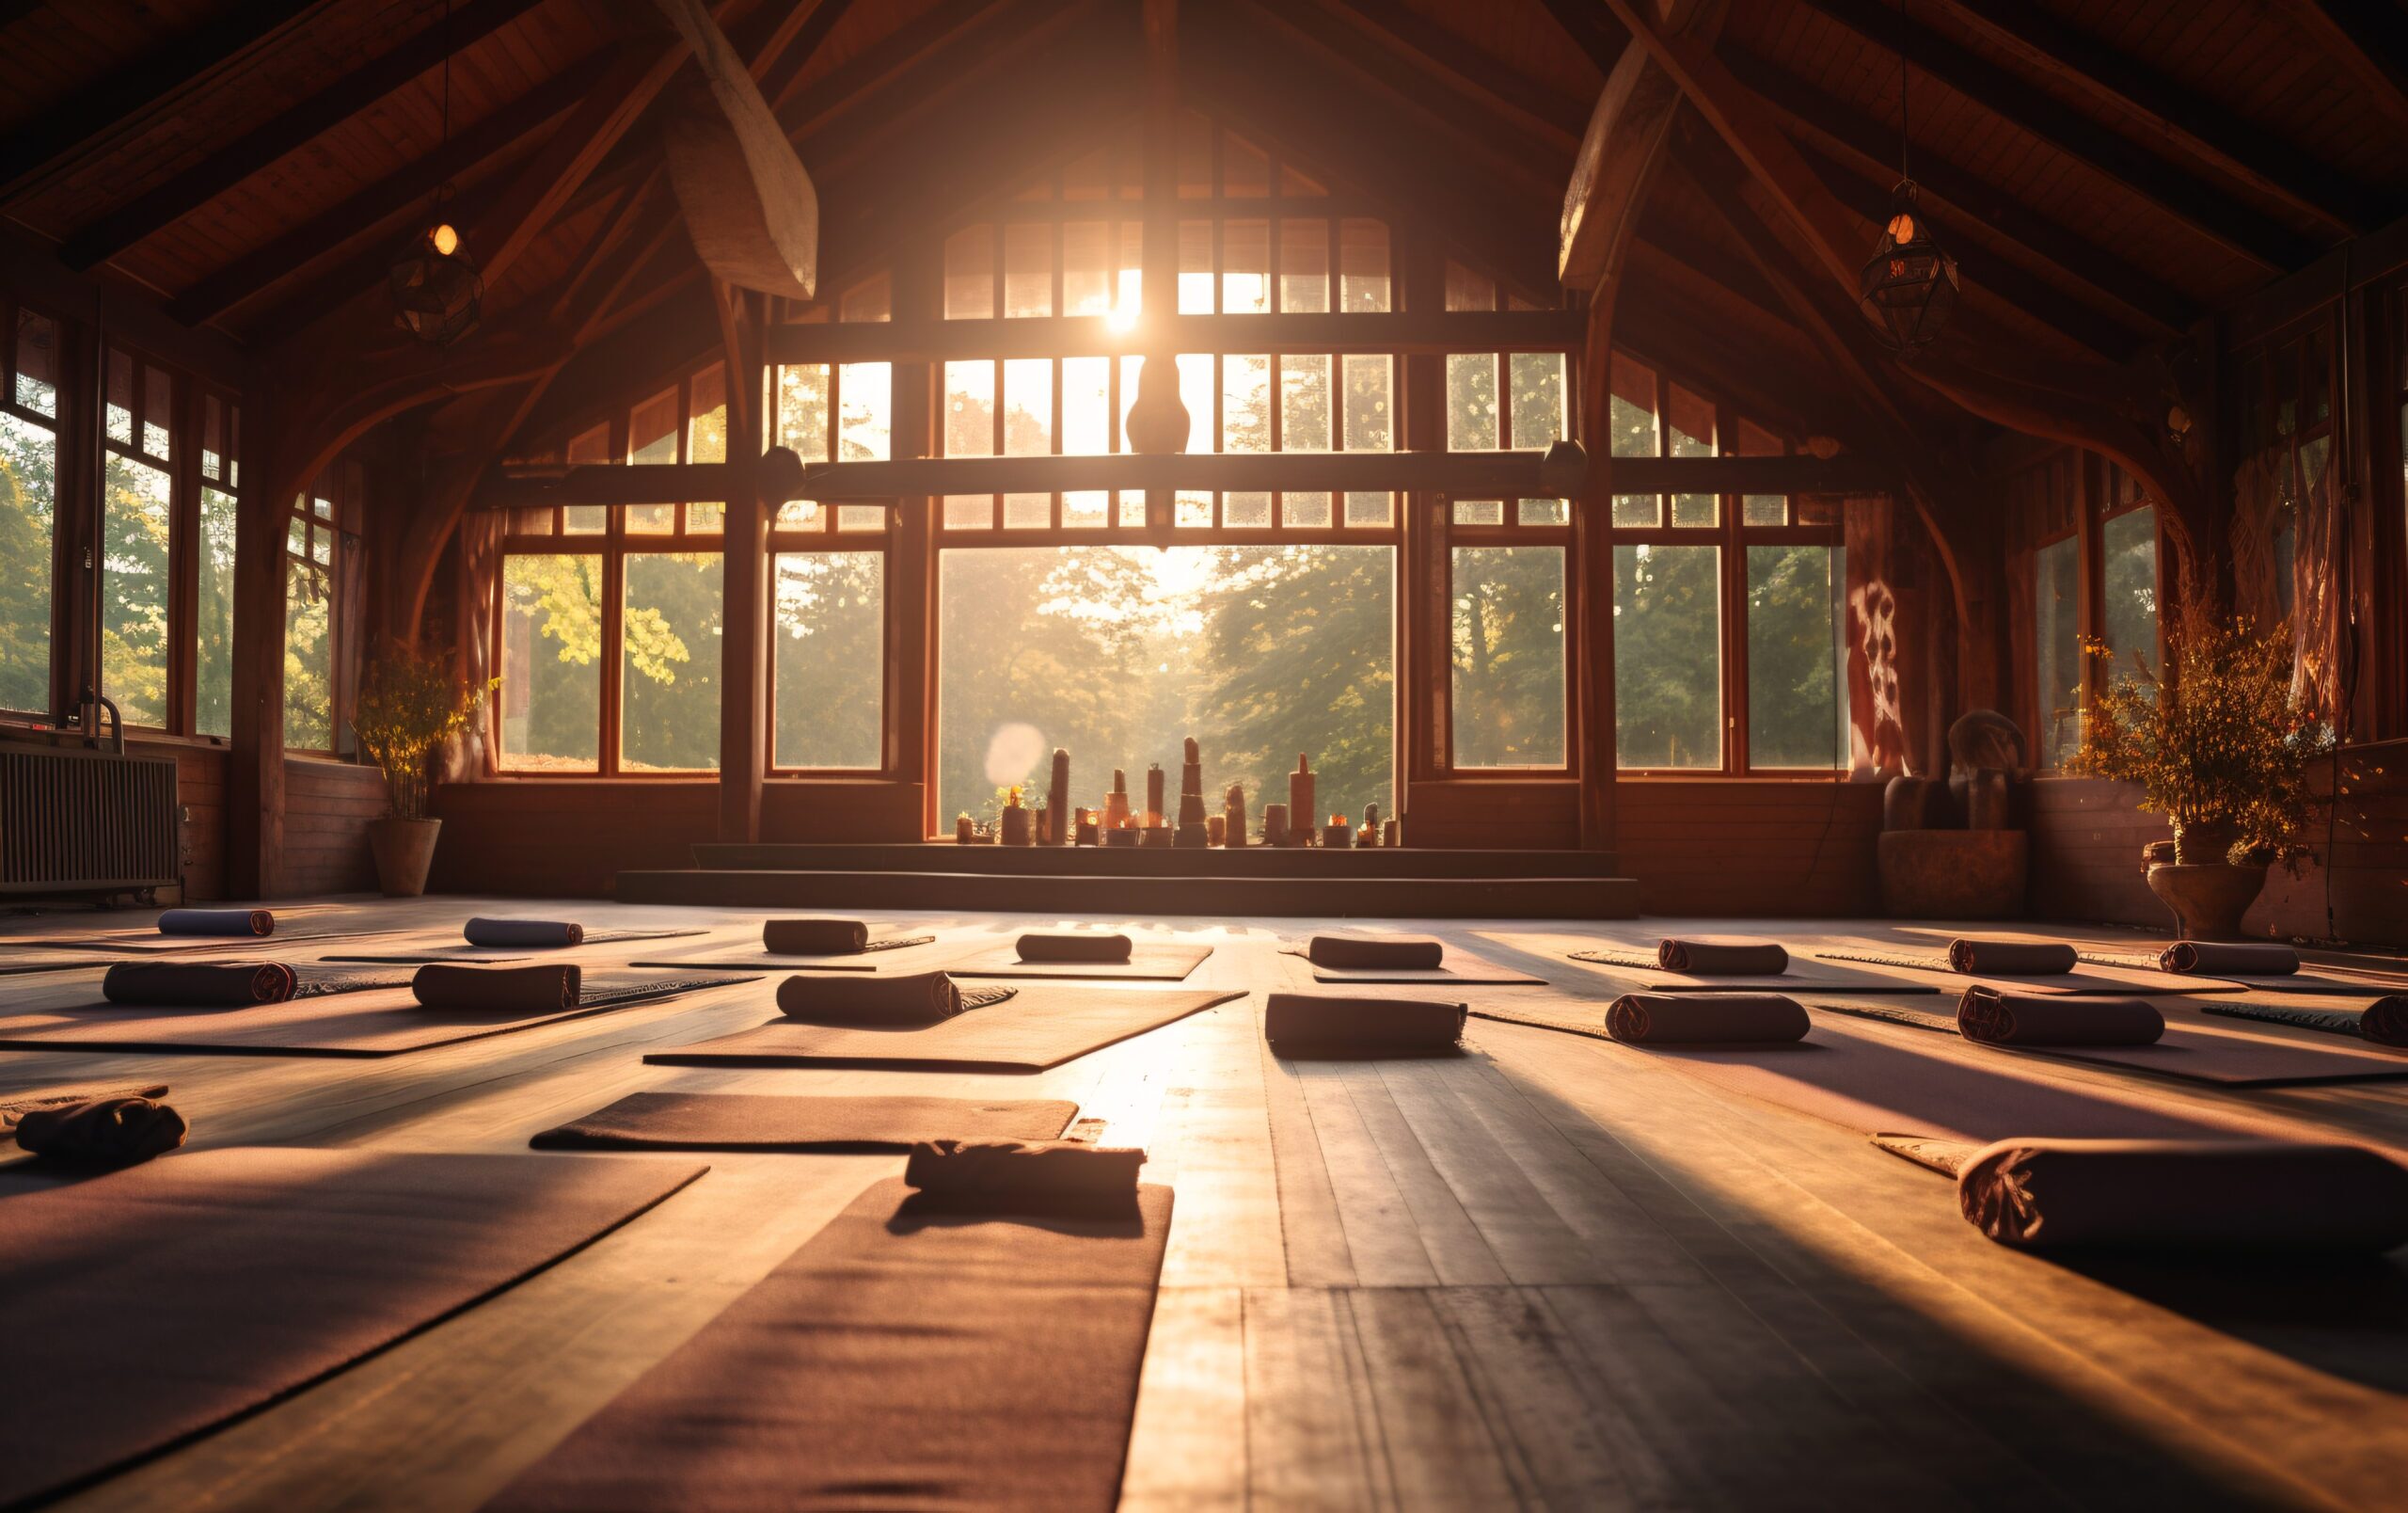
{"x": 1463, "y": 970}
{"x": 2122, "y": 982}
{"x": 1706, "y": 1018}
{"x": 2186, "y": 1195}
{"x": 759, "y": 961}
{"x": 251, "y": 923}
{"x": 2036, "y": 1021}
{"x": 763, "y": 1122}
{"x": 2383, "y": 1021}
{"x": 2193, "y": 1048}
{"x": 2308, "y": 980}
{"x": 385, "y": 1024}
{"x": 1072, "y": 945}
{"x": 460, "y": 988}
{"x": 1369, "y": 953}
{"x": 1040, "y": 1028}
{"x": 1147, "y": 963}
{"x": 151, "y": 943}
{"x": 1330, "y": 1025}
{"x": 466, "y": 952}
{"x": 900, "y": 1002}
{"x": 902, "y": 1357}
{"x": 309, "y": 980}
{"x": 15, "y": 1106}
{"x": 1645, "y": 972}
{"x": 199, "y": 984}
{"x": 154, "y": 1304}
{"x": 1722, "y": 955}
{"x": 1026, "y": 1178}
{"x": 814, "y": 937}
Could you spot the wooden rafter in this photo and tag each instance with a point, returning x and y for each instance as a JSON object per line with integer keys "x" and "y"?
{"x": 2363, "y": 37}
{"x": 1591, "y": 30}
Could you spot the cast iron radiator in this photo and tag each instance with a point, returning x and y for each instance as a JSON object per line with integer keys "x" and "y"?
{"x": 79, "y": 820}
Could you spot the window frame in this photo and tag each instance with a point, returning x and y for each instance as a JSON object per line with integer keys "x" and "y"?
{"x": 341, "y": 489}
{"x": 11, "y": 313}
{"x": 182, "y": 467}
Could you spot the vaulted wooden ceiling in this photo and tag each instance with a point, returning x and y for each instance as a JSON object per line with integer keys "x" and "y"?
{"x": 2107, "y": 171}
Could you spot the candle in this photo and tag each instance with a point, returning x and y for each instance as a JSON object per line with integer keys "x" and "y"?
{"x": 1300, "y": 795}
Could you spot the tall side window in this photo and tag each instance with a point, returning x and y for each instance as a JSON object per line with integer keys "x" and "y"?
{"x": 320, "y": 533}
{"x": 2057, "y": 647}
{"x": 28, "y": 508}
{"x": 221, "y": 490}
{"x": 137, "y": 545}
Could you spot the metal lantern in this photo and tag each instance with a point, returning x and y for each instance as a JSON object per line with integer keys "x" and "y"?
{"x": 1909, "y": 284}
{"x": 437, "y": 292}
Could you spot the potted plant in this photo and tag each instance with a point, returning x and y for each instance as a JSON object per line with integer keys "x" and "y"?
{"x": 2222, "y": 748}
{"x": 409, "y": 703}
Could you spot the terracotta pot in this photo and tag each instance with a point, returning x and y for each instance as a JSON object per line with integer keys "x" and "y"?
{"x": 404, "y": 848}
{"x": 2207, "y": 899}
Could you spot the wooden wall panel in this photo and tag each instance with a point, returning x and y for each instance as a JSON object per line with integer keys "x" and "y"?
{"x": 1778, "y": 849}
{"x": 834, "y": 812}
{"x": 1535, "y": 814}
{"x": 568, "y": 839}
{"x": 328, "y": 806}
{"x": 200, "y": 789}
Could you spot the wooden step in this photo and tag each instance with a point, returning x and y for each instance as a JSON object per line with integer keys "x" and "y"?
{"x": 1226, "y": 896}
{"x": 1089, "y": 861}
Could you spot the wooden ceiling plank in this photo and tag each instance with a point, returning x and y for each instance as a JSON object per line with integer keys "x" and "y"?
{"x": 2198, "y": 127}
{"x": 2351, "y": 32}
{"x": 1444, "y": 51}
{"x": 106, "y": 235}
{"x": 871, "y": 66}
{"x": 52, "y": 143}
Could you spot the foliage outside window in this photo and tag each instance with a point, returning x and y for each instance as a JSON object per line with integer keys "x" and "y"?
{"x": 319, "y": 531}
{"x": 1509, "y": 683}
{"x": 28, "y": 507}
{"x": 828, "y": 650}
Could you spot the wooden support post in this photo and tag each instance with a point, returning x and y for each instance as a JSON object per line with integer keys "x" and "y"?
{"x": 911, "y": 556}
{"x": 254, "y": 776}
{"x": 1592, "y": 574}
{"x": 1422, "y": 625}
{"x": 744, "y": 615}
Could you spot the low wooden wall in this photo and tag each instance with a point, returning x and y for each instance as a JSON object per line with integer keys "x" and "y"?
{"x": 1716, "y": 847}
{"x": 200, "y": 791}
{"x": 1495, "y": 814}
{"x": 327, "y": 805}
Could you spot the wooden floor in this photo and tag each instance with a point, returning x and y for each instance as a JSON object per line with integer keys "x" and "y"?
{"x": 1556, "y": 1272}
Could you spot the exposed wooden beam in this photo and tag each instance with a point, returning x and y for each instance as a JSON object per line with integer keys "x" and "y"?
{"x": 1466, "y": 67}
{"x": 1402, "y": 331}
{"x": 749, "y": 206}
{"x": 2363, "y": 37}
{"x": 286, "y": 133}
{"x": 777, "y": 66}
{"x": 2043, "y": 117}
{"x": 1614, "y": 169}
{"x": 2192, "y": 126}
{"x": 873, "y": 66}
{"x": 137, "y": 92}
{"x": 1869, "y": 149}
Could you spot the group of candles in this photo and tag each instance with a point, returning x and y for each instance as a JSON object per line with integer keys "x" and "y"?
{"x": 1117, "y": 825}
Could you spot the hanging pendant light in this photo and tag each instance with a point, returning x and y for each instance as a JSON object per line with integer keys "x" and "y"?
{"x": 1909, "y": 285}
{"x": 438, "y": 296}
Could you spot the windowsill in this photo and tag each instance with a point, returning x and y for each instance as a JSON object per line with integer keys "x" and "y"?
{"x": 1816, "y": 778}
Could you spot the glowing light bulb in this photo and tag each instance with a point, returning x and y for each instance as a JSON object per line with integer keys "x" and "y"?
{"x": 1902, "y": 228}
{"x": 446, "y": 241}
{"x": 1123, "y": 318}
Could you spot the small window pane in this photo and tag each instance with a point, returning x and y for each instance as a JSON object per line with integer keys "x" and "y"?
{"x": 1195, "y": 267}
{"x": 37, "y": 363}
{"x": 860, "y": 518}
{"x": 1797, "y": 657}
{"x": 651, "y": 519}
{"x": 138, "y": 511}
{"x": 28, "y": 522}
{"x": 1028, "y": 269}
{"x": 1028, "y": 406}
{"x": 1764, "y": 509}
{"x": 1638, "y": 511}
{"x": 1363, "y": 265}
{"x": 1633, "y": 418}
{"x": 1544, "y": 512}
{"x": 1364, "y": 511}
{"x": 652, "y": 429}
{"x": 1304, "y": 402}
{"x": 1246, "y": 511}
{"x": 866, "y": 391}
{"x": 158, "y": 412}
{"x": 309, "y": 659}
{"x": 120, "y": 398}
{"x": 2056, "y": 600}
{"x": 1467, "y": 289}
{"x": 1304, "y": 266}
{"x": 1471, "y": 401}
{"x": 970, "y": 409}
{"x": 1086, "y": 405}
{"x": 1539, "y": 413}
{"x": 214, "y": 618}
{"x": 297, "y": 537}
{"x": 968, "y": 512}
{"x": 970, "y": 274}
{"x": 1692, "y": 417}
{"x": 1510, "y": 687}
{"x": 212, "y": 441}
{"x": 1086, "y": 268}
{"x": 589, "y": 446}
{"x": 2128, "y": 584}
{"x": 1479, "y": 512}
{"x": 533, "y": 520}
{"x": 1194, "y": 510}
{"x": 1696, "y": 509}
{"x": 1027, "y": 512}
{"x": 706, "y": 519}
{"x": 1196, "y": 392}
{"x": 585, "y": 520}
{"x": 551, "y": 668}
{"x": 1246, "y": 267}
{"x": 1089, "y": 509}
{"x": 1245, "y": 404}
{"x": 669, "y": 662}
{"x": 1370, "y": 420}
{"x": 871, "y": 300}
{"x": 707, "y": 432}
{"x": 1667, "y": 656}
{"x": 1305, "y": 512}
{"x": 1133, "y": 507}
{"x": 829, "y": 659}
{"x": 801, "y": 514}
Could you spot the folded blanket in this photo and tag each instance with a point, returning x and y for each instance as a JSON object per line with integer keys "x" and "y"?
{"x": 2207, "y": 1195}
{"x": 916, "y": 999}
{"x": 1353, "y": 953}
{"x": 815, "y": 937}
{"x": 1722, "y": 955}
{"x": 523, "y": 932}
{"x": 1313, "y": 1022}
{"x": 1064, "y": 948}
{"x": 540, "y": 989}
{"x": 2011, "y": 958}
{"x": 1996, "y": 1018}
{"x": 1706, "y": 1018}
{"x": 199, "y": 984}
{"x": 217, "y": 922}
{"x": 105, "y": 1132}
{"x": 2209, "y": 958}
{"x": 1024, "y": 1176}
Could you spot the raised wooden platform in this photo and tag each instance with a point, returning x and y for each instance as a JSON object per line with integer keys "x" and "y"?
{"x": 1254, "y": 882}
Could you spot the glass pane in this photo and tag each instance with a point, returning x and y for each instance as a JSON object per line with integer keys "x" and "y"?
{"x": 1086, "y": 405}
{"x": 1696, "y": 509}
{"x": 651, "y": 519}
{"x": 1467, "y": 289}
{"x": 1363, "y": 265}
{"x": 970, "y": 274}
{"x": 2056, "y": 600}
{"x": 214, "y": 618}
{"x": 706, "y": 519}
{"x": 1196, "y": 392}
{"x": 591, "y": 445}
{"x": 1195, "y": 267}
{"x": 1027, "y": 512}
{"x": 1667, "y": 656}
{"x": 1633, "y": 418}
{"x": 970, "y": 409}
{"x": 1638, "y": 511}
{"x": 1028, "y": 406}
{"x": 1544, "y": 512}
{"x": 138, "y": 511}
{"x": 829, "y": 659}
{"x": 213, "y": 438}
{"x": 707, "y": 432}
{"x": 1539, "y": 415}
{"x": 1086, "y": 268}
{"x": 1479, "y": 512}
{"x": 2128, "y": 562}
{"x": 1132, "y": 504}
{"x": 309, "y": 659}
{"x": 1090, "y": 509}
{"x": 1764, "y": 509}
{"x": 1304, "y": 266}
{"x": 1306, "y": 512}
{"x": 1129, "y": 299}
{"x": 1246, "y": 267}
{"x": 858, "y": 518}
{"x": 873, "y": 299}
{"x": 37, "y": 363}
{"x": 1471, "y": 401}
{"x": 1797, "y": 657}
{"x": 1508, "y": 642}
{"x": 121, "y": 400}
{"x": 1028, "y": 269}
{"x": 28, "y": 517}
{"x": 551, "y": 664}
{"x": 1194, "y": 510}
{"x": 585, "y": 520}
{"x": 652, "y": 429}
{"x": 1692, "y": 424}
{"x": 1367, "y": 510}
{"x": 801, "y": 514}
{"x": 158, "y": 412}
{"x": 1114, "y": 654}
{"x": 1304, "y": 402}
{"x": 968, "y": 512}
{"x": 1245, "y": 404}
{"x": 669, "y": 661}
{"x": 1371, "y": 419}
{"x": 866, "y": 391}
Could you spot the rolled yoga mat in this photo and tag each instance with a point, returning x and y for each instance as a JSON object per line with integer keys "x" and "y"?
{"x": 1706, "y": 1019}
{"x": 136, "y": 1299}
{"x": 770, "y": 1121}
{"x": 1995, "y": 1018}
{"x": 905, "y": 1356}
{"x": 918, "y": 998}
{"x": 1357, "y": 953}
{"x": 2011, "y": 958}
{"x": 2216, "y": 958}
{"x": 1154, "y": 960}
{"x": 2385, "y": 1021}
{"x": 526, "y": 989}
{"x": 815, "y": 937}
{"x": 199, "y": 984}
{"x": 1722, "y": 955}
{"x": 2186, "y": 1195}
{"x": 1024, "y": 1177}
{"x": 1318, "y": 1025}
{"x": 217, "y": 922}
{"x": 104, "y": 1132}
{"x": 483, "y": 931}
{"x": 1042, "y": 1026}
{"x": 1036, "y": 946}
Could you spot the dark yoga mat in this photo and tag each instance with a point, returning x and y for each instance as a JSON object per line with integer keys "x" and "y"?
{"x": 310, "y": 980}
{"x": 903, "y": 1357}
{"x": 2190, "y": 1196}
{"x": 754, "y": 959}
{"x": 383, "y": 1024}
{"x": 1462, "y": 970}
{"x": 463, "y": 952}
{"x": 2310, "y": 980}
{"x": 1147, "y": 963}
{"x": 768, "y": 1122}
{"x": 1040, "y": 1028}
{"x": 148, "y": 1306}
{"x": 1643, "y": 971}
{"x": 1328, "y": 1025}
{"x": 2119, "y": 981}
